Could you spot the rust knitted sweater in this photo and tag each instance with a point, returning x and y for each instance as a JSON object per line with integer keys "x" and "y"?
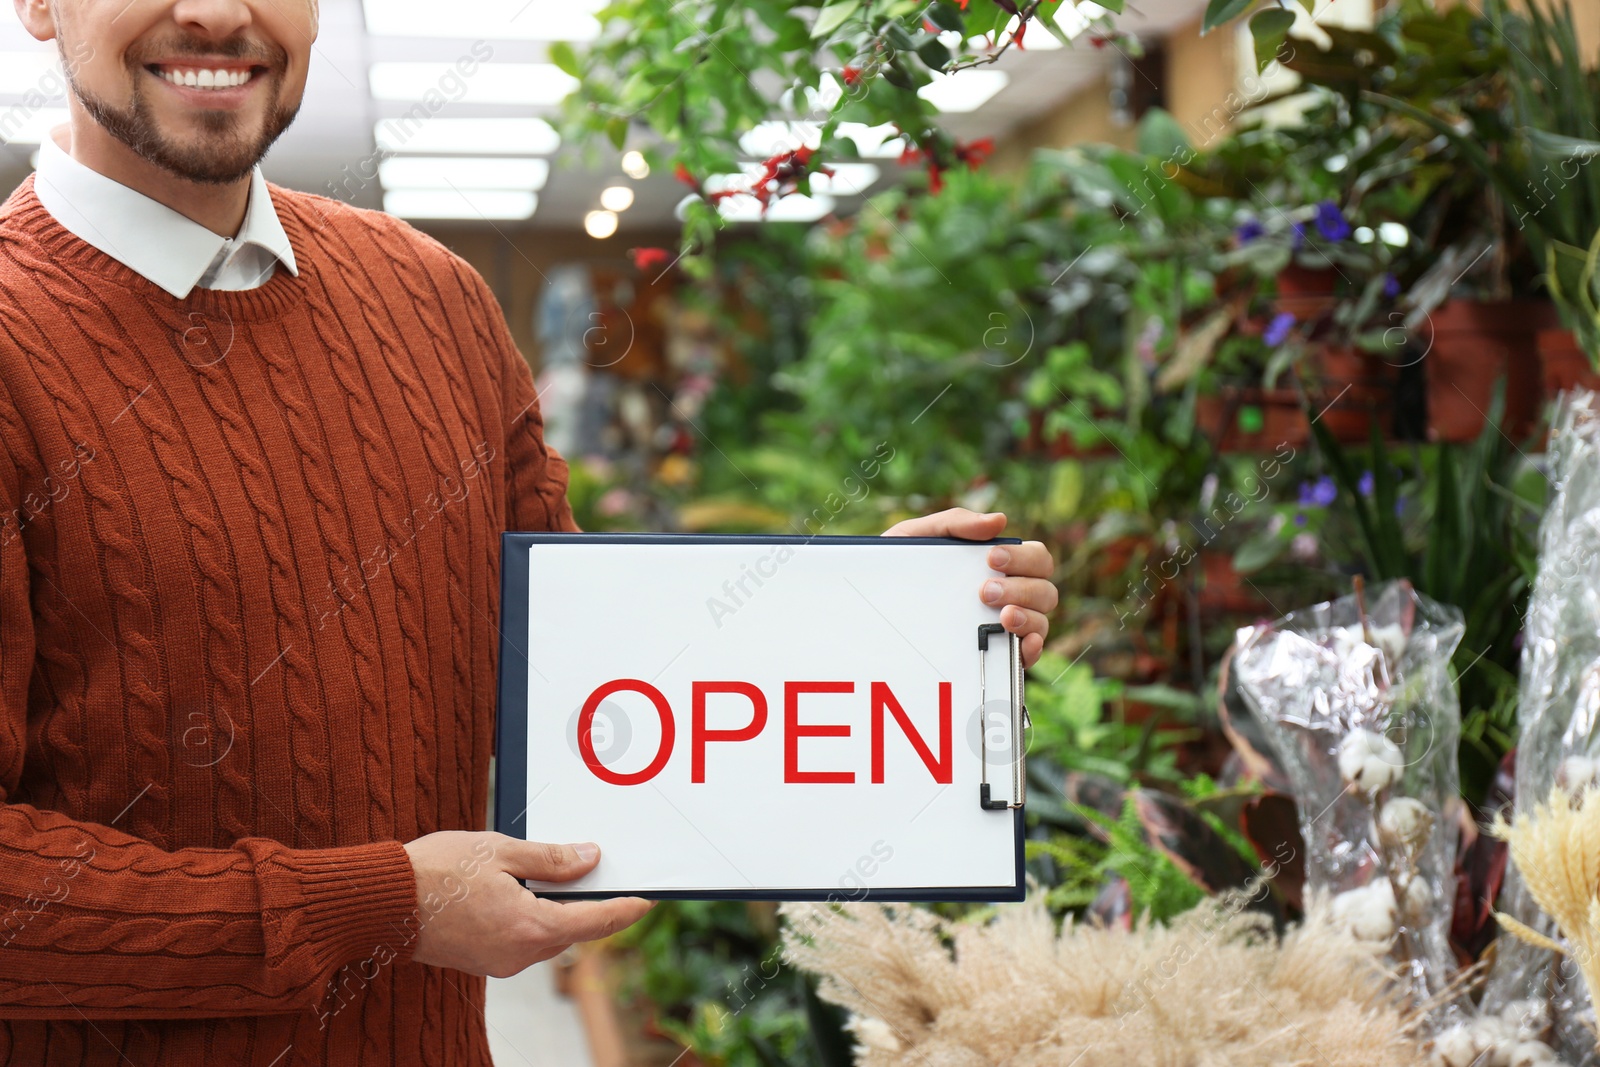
{"x": 249, "y": 548}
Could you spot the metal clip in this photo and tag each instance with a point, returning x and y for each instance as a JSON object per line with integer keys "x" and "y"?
{"x": 1019, "y": 720}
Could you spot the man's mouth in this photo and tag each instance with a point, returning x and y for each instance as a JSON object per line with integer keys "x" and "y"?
{"x": 195, "y": 76}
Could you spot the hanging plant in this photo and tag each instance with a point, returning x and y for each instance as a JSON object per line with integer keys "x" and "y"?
{"x": 704, "y": 88}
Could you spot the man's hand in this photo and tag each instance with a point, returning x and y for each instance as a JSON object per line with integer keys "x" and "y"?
{"x": 477, "y": 918}
{"x": 1025, "y": 594}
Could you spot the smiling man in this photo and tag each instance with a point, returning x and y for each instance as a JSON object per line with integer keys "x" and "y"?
{"x": 257, "y": 449}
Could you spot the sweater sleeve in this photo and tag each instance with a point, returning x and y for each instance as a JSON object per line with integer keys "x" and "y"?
{"x": 98, "y": 924}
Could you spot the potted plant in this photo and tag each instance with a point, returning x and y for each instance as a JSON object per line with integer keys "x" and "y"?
{"x": 1528, "y": 127}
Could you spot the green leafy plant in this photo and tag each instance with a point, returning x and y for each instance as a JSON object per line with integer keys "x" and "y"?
{"x": 1164, "y": 872}
{"x": 1078, "y": 725}
{"x": 847, "y": 71}
{"x": 709, "y": 81}
{"x": 710, "y": 969}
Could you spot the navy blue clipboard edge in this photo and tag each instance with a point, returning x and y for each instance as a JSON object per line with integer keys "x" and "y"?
{"x": 511, "y": 732}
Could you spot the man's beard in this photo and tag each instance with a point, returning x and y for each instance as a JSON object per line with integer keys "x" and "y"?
{"x": 226, "y": 159}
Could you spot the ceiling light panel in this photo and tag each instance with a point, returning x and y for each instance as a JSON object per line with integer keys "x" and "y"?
{"x": 874, "y": 142}
{"x": 463, "y": 172}
{"x": 1039, "y": 38}
{"x": 769, "y": 138}
{"x": 465, "y": 204}
{"x": 522, "y": 137}
{"x": 847, "y": 179}
{"x": 503, "y": 20}
{"x": 526, "y": 84}
{"x": 965, "y": 90}
{"x": 793, "y": 208}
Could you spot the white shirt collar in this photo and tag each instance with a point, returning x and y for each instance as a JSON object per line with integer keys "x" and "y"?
{"x": 169, "y": 249}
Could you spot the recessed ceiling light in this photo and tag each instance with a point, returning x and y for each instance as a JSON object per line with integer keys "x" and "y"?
{"x": 466, "y": 204}
{"x": 531, "y": 84}
{"x": 874, "y": 142}
{"x": 965, "y": 90}
{"x": 536, "y": 20}
{"x": 463, "y": 172}
{"x": 522, "y": 137}
{"x": 616, "y": 198}
{"x": 32, "y": 72}
{"x": 635, "y": 166}
{"x": 29, "y": 127}
{"x": 600, "y": 224}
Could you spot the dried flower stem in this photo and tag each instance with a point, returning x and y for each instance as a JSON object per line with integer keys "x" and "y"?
{"x": 1557, "y": 848}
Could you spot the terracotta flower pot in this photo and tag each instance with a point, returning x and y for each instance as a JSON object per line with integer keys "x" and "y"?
{"x": 1063, "y": 446}
{"x": 1354, "y": 389}
{"x": 1306, "y": 292}
{"x": 1563, "y": 364}
{"x": 1223, "y": 590}
{"x": 1474, "y": 343}
{"x": 1252, "y": 420}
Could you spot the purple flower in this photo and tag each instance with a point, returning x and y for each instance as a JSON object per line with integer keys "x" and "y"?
{"x": 1299, "y": 236}
{"x": 1399, "y": 504}
{"x": 1365, "y": 484}
{"x": 1318, "y": 494}
{"x": 1391, "y": 285}
{"x": 1331, "y": 222}
{"x": 1248, "y": 231}
{"x": 1299, "y": 518}
{"x": 1277, "y": 330}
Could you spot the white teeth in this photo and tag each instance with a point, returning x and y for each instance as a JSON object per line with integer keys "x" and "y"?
{"x": 207, "y": 79}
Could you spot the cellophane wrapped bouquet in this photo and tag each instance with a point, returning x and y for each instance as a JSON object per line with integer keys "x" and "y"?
{"x": 1558, "y": 720}
{"x": 1357, "y": 699}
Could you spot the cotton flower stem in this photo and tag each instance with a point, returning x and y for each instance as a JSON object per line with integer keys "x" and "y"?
{"x": 1394, "y": 858}
{"x": 1360, "y": 587}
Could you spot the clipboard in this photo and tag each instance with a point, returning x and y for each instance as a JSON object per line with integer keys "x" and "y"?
{"x": 763, "y": 717}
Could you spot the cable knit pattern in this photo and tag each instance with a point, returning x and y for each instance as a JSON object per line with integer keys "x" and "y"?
{"x": 249, "y": 584}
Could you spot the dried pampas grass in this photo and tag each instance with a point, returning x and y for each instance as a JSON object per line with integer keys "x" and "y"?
{"x": 1214, "y": 988}
{"x": 1557, "y": 848}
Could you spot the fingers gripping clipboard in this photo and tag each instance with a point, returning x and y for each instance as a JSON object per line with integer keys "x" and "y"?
{"x": 762, "y": 717}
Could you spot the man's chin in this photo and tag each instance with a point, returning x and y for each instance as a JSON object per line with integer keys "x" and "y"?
{"x": 206, "y": 168}
{"x": 208, "y": 147}
{"x": 212, "y": 177}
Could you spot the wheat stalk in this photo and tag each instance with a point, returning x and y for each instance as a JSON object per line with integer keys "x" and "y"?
{"x": 1557, "y": 848}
